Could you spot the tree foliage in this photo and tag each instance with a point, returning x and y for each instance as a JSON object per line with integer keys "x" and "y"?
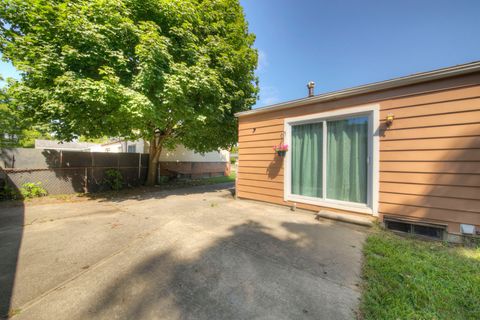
{"x": 15, "y": 131}
{"x": 126, "y": 68}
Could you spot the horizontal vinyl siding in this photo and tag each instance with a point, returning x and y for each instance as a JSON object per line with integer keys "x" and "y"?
{"x": 261, "y": 190}
{"x": 444, "y": 96}
{"x": 261, "y": 177}
{"x": 260, "y": 124}
{"x": 260, "y": 170}
{"x": 436, "y": 120}
{"x": 453, "y": 155}
{"x": 431, "y": 167}
{"x": 269, "y": 171}
{"x": 259, "y": 137}
{"x": 444, "y": 179}
{"x": 430, "y": 190}
{"x": 429, "y": 157}
{"x": 258, "y": 163}
{"x": 428, "y": 213}
{"x": 260, "y": 130}
{"x": 260, "y": 184}
{"x": 459, "y": 130}
{"x": 431, "y": 144}
{"x": 259, "y": 150}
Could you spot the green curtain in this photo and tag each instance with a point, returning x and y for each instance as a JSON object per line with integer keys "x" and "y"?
{"x": 347, "y": 152}
{"x": 306, "y": 152}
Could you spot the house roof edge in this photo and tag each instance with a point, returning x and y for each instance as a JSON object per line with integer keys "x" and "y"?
{"x": 372, "y": 87}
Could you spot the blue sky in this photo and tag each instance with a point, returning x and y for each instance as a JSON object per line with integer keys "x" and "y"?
{"x": 340, "y": 44}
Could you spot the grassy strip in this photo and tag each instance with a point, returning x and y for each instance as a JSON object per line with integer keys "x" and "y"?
{"x": 413, "y": 279}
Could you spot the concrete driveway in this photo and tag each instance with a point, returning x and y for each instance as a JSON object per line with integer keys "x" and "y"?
{"x": 188, "y": 254}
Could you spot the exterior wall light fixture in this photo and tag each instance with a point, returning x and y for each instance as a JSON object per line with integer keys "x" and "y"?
{"x": 389, "y": 120}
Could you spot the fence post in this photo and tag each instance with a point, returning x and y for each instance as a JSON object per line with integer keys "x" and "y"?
{"x": 92, "y": 165}
{"x": 85, "y": 190}
{"x": 139, "y": 166}
{"x": 92, "y": 168}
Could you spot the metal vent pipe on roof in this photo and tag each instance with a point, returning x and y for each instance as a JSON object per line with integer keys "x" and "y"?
{"x": 311, "y": 87}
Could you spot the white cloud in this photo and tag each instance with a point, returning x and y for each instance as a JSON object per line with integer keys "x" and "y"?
{"x": 268, "y": 95}
{"x": 262, "y": 60}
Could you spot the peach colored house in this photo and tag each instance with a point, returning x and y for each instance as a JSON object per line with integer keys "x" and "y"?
{"x": 405, "y": 150}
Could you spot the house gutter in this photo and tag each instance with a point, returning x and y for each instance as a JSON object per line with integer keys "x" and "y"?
{"x": 369, "y": 88}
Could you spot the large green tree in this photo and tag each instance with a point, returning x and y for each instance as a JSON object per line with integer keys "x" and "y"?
{"x": 168, "y": 71}
{"x": 16, "y": 131}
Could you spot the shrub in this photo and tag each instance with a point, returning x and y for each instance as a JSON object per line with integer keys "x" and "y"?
{"x": 7, "y": 193}
{"x": 114, "y": 179}
{"x": 32, "y": 190}
{"x": 163, "y": 179}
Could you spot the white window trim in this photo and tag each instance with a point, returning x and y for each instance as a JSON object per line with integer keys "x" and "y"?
{"x": 373, "y": 112}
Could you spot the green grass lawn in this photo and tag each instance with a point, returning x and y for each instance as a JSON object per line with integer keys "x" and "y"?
{"x": 406, "y": 278}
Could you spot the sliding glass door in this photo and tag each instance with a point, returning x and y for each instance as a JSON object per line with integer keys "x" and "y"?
{"x": 307, "y": 160}
{"x": 329, "y": 159}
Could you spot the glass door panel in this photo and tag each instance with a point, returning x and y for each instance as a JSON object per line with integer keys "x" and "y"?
{"x": 347, "y": 164}
{"x": 307, "y": 159}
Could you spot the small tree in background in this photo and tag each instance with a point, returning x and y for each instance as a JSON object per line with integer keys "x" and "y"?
{"x": 168, "y": 71}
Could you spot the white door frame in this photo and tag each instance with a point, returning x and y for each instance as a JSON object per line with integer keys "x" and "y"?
{"x": 373, "y": 113}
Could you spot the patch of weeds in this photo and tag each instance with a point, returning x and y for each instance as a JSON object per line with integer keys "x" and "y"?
{"x": 32, "y": 190}
{"x": 13, "y": 312}
{"x": 471, "y": 241}
{"x": 406, "y": 278}
{"x": 213, "y": 204}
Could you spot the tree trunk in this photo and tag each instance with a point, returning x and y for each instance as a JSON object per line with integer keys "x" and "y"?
{"x": 155, "y": 149}
{"x": 152, "y": 173}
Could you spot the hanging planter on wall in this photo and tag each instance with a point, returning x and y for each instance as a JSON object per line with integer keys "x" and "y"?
{"x": 281, "y": 149}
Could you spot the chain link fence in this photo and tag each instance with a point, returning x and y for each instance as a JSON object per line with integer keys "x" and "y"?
{"x": 64, "y": 172}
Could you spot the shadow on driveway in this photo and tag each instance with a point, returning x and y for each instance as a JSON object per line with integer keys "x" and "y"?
{"x": 11, "y": 234}
{"x": 249, "y": 274}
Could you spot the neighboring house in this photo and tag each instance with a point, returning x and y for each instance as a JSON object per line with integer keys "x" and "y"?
{"x": 138, "y": 146}
{"x": 8, "y": 139}
{"x": 113, "y": 146}
{"x": 183, "y": 154}
{"x": 179, "y": 154}
{"x": 234, "y": 156}
{"x": 66, "y": 146}
{"x": 405, "y": 150}
{"x": 185, "y": 162}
